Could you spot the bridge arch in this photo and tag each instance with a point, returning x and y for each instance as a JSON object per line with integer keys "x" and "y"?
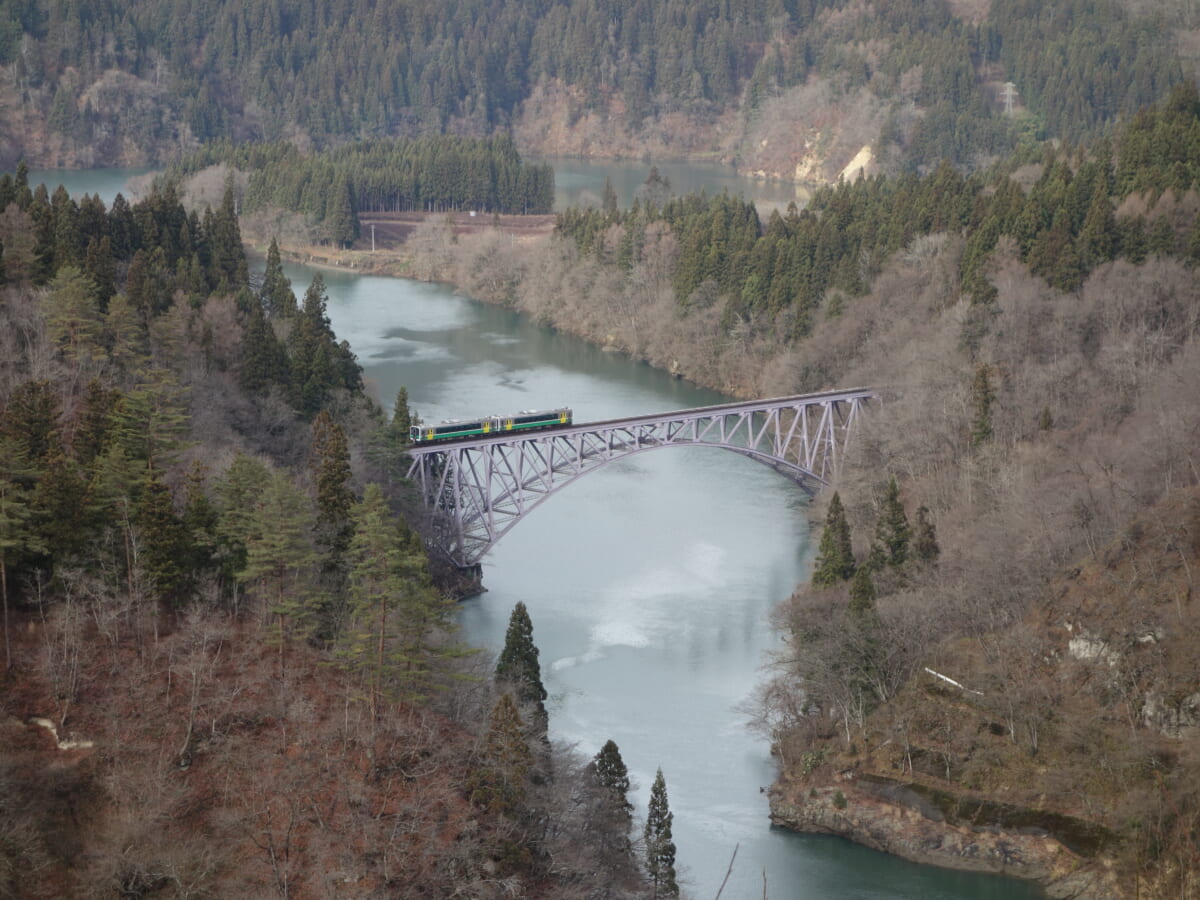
{"x": 476, "y": 490}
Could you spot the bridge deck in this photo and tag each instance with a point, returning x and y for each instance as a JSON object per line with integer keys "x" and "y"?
{"x": 476, "y": 489}
{"x": 681, "y": 415}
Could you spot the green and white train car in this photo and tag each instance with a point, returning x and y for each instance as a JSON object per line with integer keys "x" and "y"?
{"x": 526, "y": 420}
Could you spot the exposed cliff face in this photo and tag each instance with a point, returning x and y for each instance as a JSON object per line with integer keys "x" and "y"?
{"x": 912, "y": 822}
{"x": 809, "y": 134}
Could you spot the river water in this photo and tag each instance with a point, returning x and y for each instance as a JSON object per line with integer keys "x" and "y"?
{"x": 649, "y": 584}
{"x": 580, "y": 182}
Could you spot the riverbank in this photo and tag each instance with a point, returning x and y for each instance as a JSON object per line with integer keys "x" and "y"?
{"x": 930, "y": 826}
{"x": 380, "y": 249}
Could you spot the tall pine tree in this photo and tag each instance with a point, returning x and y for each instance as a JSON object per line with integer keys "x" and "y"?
{"x": 660, "y": 846}
{"x": 835, "y": 556}
{"x": 892, "y": 531}
{"x": 982, "y": 397}
{"x": 279, "y": 554}
{"x": 518, "y": 665}
{"x": 500, "y": 781}
{"x": 17, "y": 538}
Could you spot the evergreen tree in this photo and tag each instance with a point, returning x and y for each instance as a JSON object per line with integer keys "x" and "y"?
{"x": 31, "y": 416}
{"x": 1193, "y": 250}
{"x": 925, "y": 545}
{"x": 318, "y": 364}
{"x": 225, "y": 238}
{"x": 610, "y": 815}
{"x": 72, "y": 316}
{"x": 125, "y": 336}
{"x": 116, "y": 482}
{"x": 982, "y": 397}
{"x": 93, "y": 422}
{"x": 330, "y": 462}
{"x": 150, "y": 421}
{"x": 387, "y": 642}
{"x": 518, "y": 664}
{"x": 660, "y": 848}
{"x": 1132, "y": 239}
{"x": 59, "y": 503}
{"x": 276, "y": 294}
{"x": 401, "y": 423}
{"x": 835, "y": 556}
{"x": 1161, "y": 240}
{"x": 17, "y": 537}
{"x": 611, "y": 774}
{"x": 166, "y": 547}
{"x": 892, "y": 531}
{"x": 238, "y": 492}
{"x": 264, "y": 358}
{"x": 341, "y": 219}
{"x": 390, "y": 441}
{"x": 862, "y": 596}
{"x": 98, "y": 266}
{"x": 1098, "y": 238}
{"x": 608, "y": 200}
{"x": 200, "y": 519}
{"x": 279, "y": 553}
{"x": 499, "y": 783}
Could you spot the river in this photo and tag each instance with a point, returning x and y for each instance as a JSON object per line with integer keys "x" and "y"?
{"x": 580, "y": 182}
{"x": 649, "y": 584}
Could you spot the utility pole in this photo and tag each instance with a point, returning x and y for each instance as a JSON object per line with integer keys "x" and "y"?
{"x": 1010, "y": 92}
{"x": 372, "y": 237}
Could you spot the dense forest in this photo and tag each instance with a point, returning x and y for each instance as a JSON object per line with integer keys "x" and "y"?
{"x": 107, "y": 77}
{"x": 774, "y": 279}
{"x": 229, "y": 666}
{"x": 1019, "y": 516}
{"x": 330, "y": 189}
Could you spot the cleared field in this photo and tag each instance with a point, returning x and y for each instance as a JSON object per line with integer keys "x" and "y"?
{"x": 392, "y": 229}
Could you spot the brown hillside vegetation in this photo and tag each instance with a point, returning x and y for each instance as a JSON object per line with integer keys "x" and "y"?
{"x": 1061, "y": 597}
{"x": 187, "y": 767}
{"x": 198, "y": 771}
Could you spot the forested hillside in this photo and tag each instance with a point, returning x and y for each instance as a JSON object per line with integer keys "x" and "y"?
{"x": 105, "y": 83}
{"x": 1018, "y": 515}
{"x": 227, "y": 667}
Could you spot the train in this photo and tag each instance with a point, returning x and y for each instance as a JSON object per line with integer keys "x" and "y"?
{"x": 525, "y": 420}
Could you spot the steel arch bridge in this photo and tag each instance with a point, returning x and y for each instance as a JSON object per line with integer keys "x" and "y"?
{"x": 475, "y": 490}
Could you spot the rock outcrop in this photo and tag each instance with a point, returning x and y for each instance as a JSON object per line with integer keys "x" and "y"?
{"x": 935, "y": 827}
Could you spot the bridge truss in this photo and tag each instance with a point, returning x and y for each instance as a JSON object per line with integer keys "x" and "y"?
{"x": 476, "y": 490}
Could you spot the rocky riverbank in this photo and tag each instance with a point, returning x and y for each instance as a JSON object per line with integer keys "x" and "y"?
{"x": 925, "y": 826}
